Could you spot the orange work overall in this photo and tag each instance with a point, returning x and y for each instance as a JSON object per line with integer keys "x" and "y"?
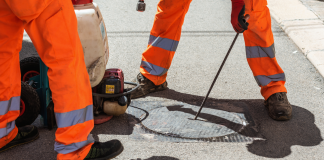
{"x": 260, "y": 52}
{"x": 52, "y": 27}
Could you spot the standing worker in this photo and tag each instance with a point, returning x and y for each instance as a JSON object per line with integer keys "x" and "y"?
{"x": 52, "y": 26}
{"x": 259, "y": 42}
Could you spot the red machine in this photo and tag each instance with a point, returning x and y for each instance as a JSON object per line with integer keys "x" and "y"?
{"x": 113, "y": 82}
{"x": 109, "y": 96}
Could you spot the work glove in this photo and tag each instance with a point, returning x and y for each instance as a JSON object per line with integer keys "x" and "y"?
{"x": 237, "y": 17}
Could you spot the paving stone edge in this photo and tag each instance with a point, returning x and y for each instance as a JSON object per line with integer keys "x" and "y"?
{"x": 303, "y": 26}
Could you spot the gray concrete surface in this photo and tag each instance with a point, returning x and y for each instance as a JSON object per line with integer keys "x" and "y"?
{"x": 303, "y": 24}
{"x": 317, "y": 6}
{"x": 206, "y": 37}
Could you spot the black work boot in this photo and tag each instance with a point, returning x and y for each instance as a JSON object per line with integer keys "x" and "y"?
{"x": 278, "y": 106}
{"x": 105, "y": 150}
{"x": 146, "y": 87}
{"x": 25, "y": 135}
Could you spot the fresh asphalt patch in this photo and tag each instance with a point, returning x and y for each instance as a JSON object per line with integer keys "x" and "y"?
{"x": 222, "y": 120}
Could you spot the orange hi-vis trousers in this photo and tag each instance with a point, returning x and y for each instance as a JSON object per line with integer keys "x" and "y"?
{"x": 164, "y": 39}
{"x": 260, "y": 52}
{"x": 52, "y": 26}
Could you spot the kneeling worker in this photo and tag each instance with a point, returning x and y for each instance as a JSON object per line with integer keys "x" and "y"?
{"x": 52, "y": 26}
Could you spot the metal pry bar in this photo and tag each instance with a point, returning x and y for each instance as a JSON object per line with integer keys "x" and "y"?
{"x": 220, "y": 69}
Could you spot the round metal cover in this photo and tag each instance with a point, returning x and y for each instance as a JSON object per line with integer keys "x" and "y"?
{"x": 178, "y": 121}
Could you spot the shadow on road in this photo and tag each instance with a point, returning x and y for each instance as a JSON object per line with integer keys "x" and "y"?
{"x": 118, "y": 125}
{"x": 158, "y": 158}
{"x": 278, "y": 136}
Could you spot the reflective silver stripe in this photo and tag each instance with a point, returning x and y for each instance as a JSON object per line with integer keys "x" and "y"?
{"x": 7, "y": 130}
{"x": 258, "y": 52}
{"x": 164, "y": 43}
{"x": 152, "y": 39}
{"x": 153, "y": 69}
{"x": 265, "y": 80}
{"x": 74, "y": 117}
{"x": 65, "y": 149}
{"x": 11, "y": 105}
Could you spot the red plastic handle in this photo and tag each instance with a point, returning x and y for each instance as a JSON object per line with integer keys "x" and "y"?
{"x": 81, "y": 1}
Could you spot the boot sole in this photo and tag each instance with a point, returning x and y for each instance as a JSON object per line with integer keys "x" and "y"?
{"x": 31, "y": 139}
{"x": 115, "y": 154}
{"x": 156, "y": 90}
{"x": 281, "y": 118}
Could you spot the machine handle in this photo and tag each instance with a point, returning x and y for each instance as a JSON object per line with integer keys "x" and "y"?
{"x": 120, "y": 94}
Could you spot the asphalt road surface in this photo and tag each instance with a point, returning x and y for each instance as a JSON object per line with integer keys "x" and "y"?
{"x": 206, "y": 37}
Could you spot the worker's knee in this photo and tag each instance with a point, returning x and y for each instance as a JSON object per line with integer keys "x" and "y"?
{"x": 171, "y": 5}
{"x": 28, "y": 10}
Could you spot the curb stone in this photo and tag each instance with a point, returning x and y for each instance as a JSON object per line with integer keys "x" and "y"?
{"x": 303, "y": 26}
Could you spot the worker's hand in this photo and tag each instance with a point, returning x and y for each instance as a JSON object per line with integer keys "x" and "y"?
{"x": 237, "y": 18}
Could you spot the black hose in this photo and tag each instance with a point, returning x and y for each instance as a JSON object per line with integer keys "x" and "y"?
{"x": 120, "y": 94}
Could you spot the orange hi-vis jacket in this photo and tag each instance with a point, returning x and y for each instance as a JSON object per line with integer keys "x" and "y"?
{"x": 260, "y": 51}
{"x": 52, "y": 26}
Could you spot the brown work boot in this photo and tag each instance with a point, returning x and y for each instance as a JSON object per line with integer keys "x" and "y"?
{"x": 146, "y": 87}
{"x": 278, "y": 106}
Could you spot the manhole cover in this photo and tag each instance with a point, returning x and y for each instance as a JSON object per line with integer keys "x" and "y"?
{"x": 177, "y": 121}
